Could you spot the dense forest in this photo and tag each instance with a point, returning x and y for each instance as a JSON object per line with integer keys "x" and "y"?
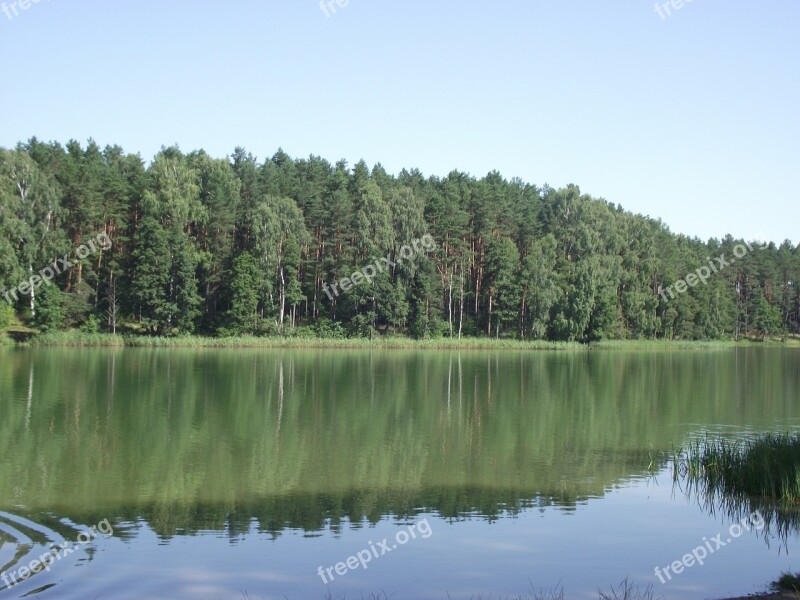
{"x": 235, "y": 246}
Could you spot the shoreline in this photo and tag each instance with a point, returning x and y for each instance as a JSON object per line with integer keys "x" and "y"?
{"x": 784, "y": 595}
{"x": 26, "y": 338}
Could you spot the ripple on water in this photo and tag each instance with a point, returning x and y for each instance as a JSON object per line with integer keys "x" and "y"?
{"x": 25, "y": 539}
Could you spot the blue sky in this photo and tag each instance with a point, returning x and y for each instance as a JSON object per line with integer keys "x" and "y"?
{"x": 693, "y": 118}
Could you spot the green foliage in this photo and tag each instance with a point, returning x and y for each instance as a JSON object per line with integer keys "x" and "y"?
{"x": 150, "y": 279}
{"x": 361, "y": 326}
{"x": 327, "y": 329}
{"x": 766, "y": 467}
{"x": 539, "y": 287}
{"x": 766, "y": 316}
{"x": 234, "y": 246}
{"x": 502, "y": 264}
{"x": 787, "y": 582}
{"x": 184, "y": 299}
{"x": 164, "y": 285}
{"x": 77, "y": 306}
{"x": 6, "y": 315}
{"x": 245, "y": 292}
{"x": 91, "y": 325}
{"x": 52, "y": 310}
{"x": 78, "y": 339}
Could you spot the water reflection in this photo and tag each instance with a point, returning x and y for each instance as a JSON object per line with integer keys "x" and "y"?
{"x": 776, "y": 519}
{"x": 198, "y": 440}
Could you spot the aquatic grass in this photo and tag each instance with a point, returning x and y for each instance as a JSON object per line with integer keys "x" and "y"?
{"x": 766, "y": 467}
{"x": 757, "y": 474}
{"x": 353, "y": 343}
{"x": 372, "y": 596}
{"x": 77, "y": 338}
{"x": 663, "y": 344}
{"x": 787, "y": 582}
{"x": 627, "y": 591}
{"x": 541, "y": 595}
{"x": 534, "y": 594}
{"x": 639, "y": 344}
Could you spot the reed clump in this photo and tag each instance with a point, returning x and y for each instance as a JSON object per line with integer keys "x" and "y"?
{"x": 764, "y": 467}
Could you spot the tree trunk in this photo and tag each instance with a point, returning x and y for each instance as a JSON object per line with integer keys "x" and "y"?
{"x": 282, "y": 298}
{"x": 489, "y": 327}
{"x": 33, "y": 292}
{"x": 450, "y": 302}
{"x": 461, "y": 301}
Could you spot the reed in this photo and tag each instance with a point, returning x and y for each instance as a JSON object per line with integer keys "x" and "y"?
{"x": 77, "y": 338}
{"x": 787, "y": 582}
{"x": 666, "y": 344}
{"x": 765, "y": 467}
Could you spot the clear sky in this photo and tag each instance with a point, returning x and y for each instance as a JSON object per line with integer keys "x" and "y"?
{"x": 693, "y": 118}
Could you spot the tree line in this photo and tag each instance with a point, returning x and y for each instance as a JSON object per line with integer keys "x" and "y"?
{"x": 235, "y": 246}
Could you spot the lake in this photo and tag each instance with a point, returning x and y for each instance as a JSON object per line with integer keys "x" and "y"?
{"x": 225, "y": 474}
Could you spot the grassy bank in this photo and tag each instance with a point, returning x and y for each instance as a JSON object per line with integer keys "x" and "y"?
{"x": 791, "y": 342}
{"x": 75, "y": 338}
{"x": 82, "y": 339}
{"x": 663, "y": 345}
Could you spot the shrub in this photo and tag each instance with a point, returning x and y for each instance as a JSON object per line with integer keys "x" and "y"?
{"x": 6, "y": 315}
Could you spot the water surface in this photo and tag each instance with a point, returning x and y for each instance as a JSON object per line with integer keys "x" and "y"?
{"x": 224, "y": 471}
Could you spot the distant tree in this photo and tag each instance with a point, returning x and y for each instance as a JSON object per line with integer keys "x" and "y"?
{"x": 52, "y": 311}
{"x": 539, "y": 289}
{"x": 766, "y": 317}
{"x": 150, "y": 276}
{"x": 238, "y": 245}
{"x": 502, "y": 264}
{"x": 30, "y": 216}
{"x": 245, "y": 291}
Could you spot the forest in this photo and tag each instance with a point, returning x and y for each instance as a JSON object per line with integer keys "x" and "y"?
{"x": 234, "y": 246}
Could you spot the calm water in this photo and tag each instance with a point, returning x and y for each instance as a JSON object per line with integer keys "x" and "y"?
{"x": 228, "y": 471}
